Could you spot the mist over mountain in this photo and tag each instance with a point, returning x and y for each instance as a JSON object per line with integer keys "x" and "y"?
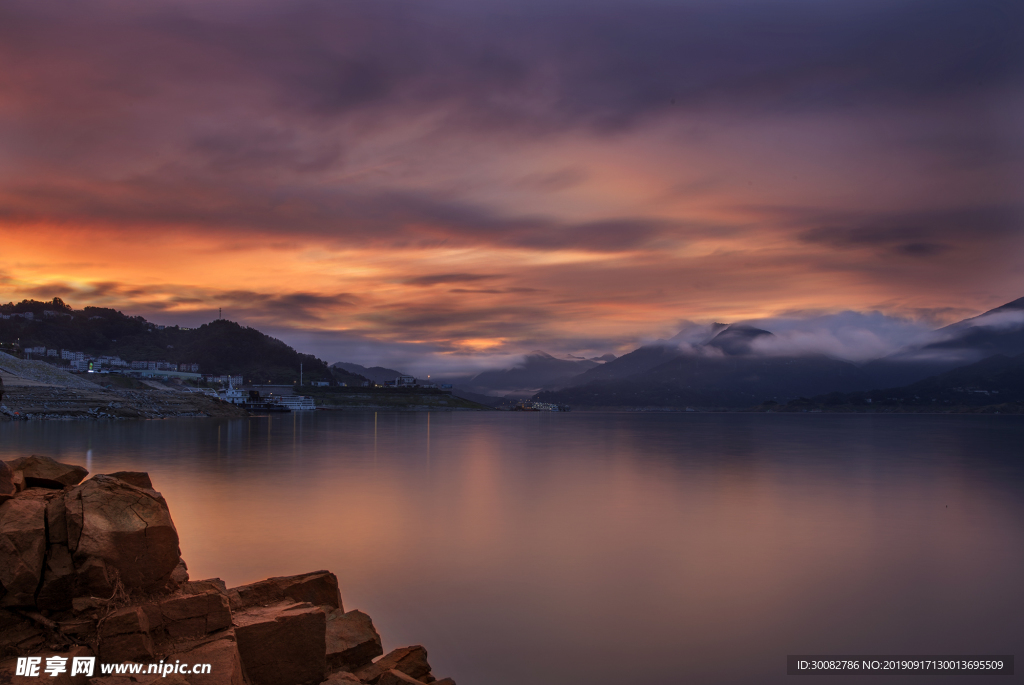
{"x": 537, "y": 370}
{"x": 724, "y": 370}
{"x": 749, "y": 362}
{"x": 997, "y": 331}
{"x": 741, "y": 364}
{"x": 706, "y": 365}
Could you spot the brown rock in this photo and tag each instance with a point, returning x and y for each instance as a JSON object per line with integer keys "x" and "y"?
{"x": 411, "y": 661}
{"x": 22, "y": 548}
{"x": 139, "y": 479}
{"x": 156, "y": 619}
{"x": 128, "y": 647}
{"x": 179, "y": 575}
{"x": 122, "y": 621}
{"x": 43, "y": 472}
{"x": 60, "y": 581}
{"x": 83, "y": 604}
{"x": 444, "y": 681}
{"x": 118, "y": 530}
{"x": 18, "y": 635}
{"x": 342, "y": 678}
{"x": 394, "y": 677}
{"x": 196, "y": 587}
{"x": 77, "y": 626}
{"x": 56, "y": 521}
{"x": 352, "y": 641}
{"x": 222, "y": 655}
{"x": 7, "y": 487}
{"x": 194, "y": 615}
{"x": 319, "y": 588}
{"x": 283, "y": 644}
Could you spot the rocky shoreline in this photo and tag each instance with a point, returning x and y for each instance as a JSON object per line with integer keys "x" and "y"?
{"x": 26, "y": 401}
{"x": 93, "y": 569}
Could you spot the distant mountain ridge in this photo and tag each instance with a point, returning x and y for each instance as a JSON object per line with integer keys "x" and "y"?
{"x": 715, "y": 381}
{"x": 724, "y": 367}
{"x": 377, "y": 374}
{"x": 994, "y": 380}
{"x": 720, "y": 365}
{"x": 538, "y": 370}
{"x": 997, "y": 331}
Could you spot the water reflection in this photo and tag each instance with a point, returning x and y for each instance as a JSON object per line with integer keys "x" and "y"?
{"x": 542, "y": 549}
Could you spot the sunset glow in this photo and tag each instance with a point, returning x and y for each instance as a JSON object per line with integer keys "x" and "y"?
{"x": 487, "y": 182}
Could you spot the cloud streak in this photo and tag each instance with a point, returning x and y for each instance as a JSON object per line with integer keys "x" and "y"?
{"x": 490, "y": 179}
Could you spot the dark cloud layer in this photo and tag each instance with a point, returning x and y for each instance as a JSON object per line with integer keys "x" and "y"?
{"x": 215, "y": 101}
{"x": 914, "y": 234}
{"x": 601, "y": 62}
{"x": 631, "y": 138}
{"x": 501, "y": 67}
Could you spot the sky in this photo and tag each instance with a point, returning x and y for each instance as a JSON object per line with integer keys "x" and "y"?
{"x": 454, "y": 183}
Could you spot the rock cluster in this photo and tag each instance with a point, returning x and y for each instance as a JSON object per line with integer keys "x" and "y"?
{"x": 93, "y": 568}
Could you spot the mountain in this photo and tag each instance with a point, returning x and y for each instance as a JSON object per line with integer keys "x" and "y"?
{"x": 997, "y": 331}
{"x": 709, "y": 380}
{"x": 219, "y": 347}
{"x": 638, "y": 361}
{"x": 377, "y": 374}
{"x": 737, "y": 339}
{"x": 722, "y": 366}
{"x": 994, "y": 380}
{"x": 718, "y": 367}
{"x": 486, "y": 400}
{"x": 729, "y": 340}
{"x": 538, "y": 369}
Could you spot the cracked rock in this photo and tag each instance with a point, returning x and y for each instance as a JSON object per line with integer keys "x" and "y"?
{"x": 119, "y": 530}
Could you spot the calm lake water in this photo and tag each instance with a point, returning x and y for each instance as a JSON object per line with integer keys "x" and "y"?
{"x": 614, "y": 549}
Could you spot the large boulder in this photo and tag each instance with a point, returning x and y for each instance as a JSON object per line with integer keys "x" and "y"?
{"x": 119, "y": 531}
{"x": 221, "y": 655}
{"x": 124, "y": 636}
{"x": 7, "y": 487}
{"x": 139, "y": 479}
{"x": 60, "y": 580}
{"x": 22, "y": 548}
{"x": 124, "y": 621}
{"x": 44, "y": 472}
{"x": 412, "y": 661}
{"x": 352, "y": 641}
{"x": 319, "y": 588}
{"x": 193, "y": 615}
{"x": 282, "y": 644}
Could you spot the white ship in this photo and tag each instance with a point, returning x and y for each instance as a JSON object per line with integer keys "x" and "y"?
{"x": 233, "y": 395}
{"x": 296, "y": 402}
